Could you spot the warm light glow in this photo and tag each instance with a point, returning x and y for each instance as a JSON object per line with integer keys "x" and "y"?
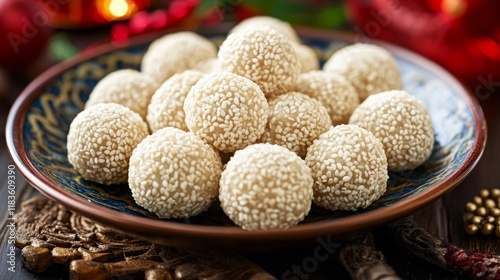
{"x": 118, "y": 8}
{"x": 455, "y": 8}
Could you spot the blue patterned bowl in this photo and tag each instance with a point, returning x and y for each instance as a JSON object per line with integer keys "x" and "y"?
{"x": 39, "y": 121}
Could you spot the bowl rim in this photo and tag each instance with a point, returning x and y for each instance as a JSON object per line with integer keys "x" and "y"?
{"x": 166, "y": 229}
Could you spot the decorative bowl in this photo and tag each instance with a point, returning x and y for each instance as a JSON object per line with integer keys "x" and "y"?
{"x": 39, "y": 121}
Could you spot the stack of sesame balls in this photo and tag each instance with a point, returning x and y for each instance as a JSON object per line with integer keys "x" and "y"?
{"x": 255, "y": 124}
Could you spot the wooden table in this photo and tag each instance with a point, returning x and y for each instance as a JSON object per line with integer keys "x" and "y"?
{"x": 442, "y": 218}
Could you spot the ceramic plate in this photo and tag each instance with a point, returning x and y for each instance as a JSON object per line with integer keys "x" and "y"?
{"x": 39, "y": 121}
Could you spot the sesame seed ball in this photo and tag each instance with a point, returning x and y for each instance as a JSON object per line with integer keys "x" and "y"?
{"x": 175, "y": 53}
{"x": 369, "y": 68}
{"x": 403, "y": 125}
{"x": 307, "y": 57}
{"x": 264, "y": 187}
{"x": 166, "y": 107}
{"x": 262, "y": 55}
{"x": 126, "y": 87}
{"x": 349, "y": 168}
{"x": 281, "y": 26}
{"x": 227, "y": 111}
{"x": 174, "y": 174}
{"x": 295, "y": 121}
{"x": 101, "y": 139}
{"x": 333, "y": 91}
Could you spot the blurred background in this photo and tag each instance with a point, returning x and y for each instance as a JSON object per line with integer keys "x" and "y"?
{"x": 461, "y": 35}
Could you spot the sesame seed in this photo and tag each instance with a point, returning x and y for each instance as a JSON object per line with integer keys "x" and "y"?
{"x": 270, "y": 60}
{"x": 295, "y": 121}
{"x": 330, "y": 158}
{"x": 166, "y": 106}
{"x": 93, "y": 158}
{"x": 126, "y": 87}
{"x": 406, "y": 134}
{"x": 369, "y": 68}
{"x": 333, "y": 91}
{"x": 186, "y": 184}
{"x": 281, "y": 26}
{"x": 260, "y": 183}
{"x": 176, "y": 53}
{"x": 243, "y": 124}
